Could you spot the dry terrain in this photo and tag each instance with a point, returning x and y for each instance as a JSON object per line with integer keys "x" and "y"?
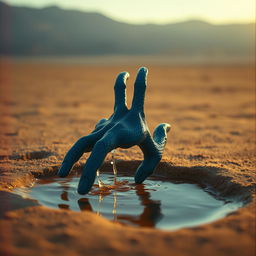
{"x": 46, "y": 107}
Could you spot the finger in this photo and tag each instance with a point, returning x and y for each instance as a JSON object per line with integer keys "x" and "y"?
{"x": 153, "y": 151}
{"x": 140, "y": 89}
{"x": 160, "y": 135}
{"x": 100, "y": 124}
{"x": 99, "y": 152}
{"x": 146, "y": 168}
{"x": 84, "y": 144}
{"x": 120, "y": 91}
{"x": 152, "y": 156}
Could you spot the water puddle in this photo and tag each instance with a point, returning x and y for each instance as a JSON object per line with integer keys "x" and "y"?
{"x": 157, "y": 203}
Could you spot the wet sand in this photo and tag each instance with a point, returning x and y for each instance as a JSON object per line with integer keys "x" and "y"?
{"x": 46, "y": 107}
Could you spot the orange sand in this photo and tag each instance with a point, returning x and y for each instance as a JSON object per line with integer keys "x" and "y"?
{"x": 46, "y": 107}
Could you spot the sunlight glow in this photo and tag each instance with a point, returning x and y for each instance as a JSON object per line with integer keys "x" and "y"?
{"x": 161, "y": 11}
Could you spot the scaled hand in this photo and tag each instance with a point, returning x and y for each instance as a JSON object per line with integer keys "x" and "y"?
{"x": 124, "y": 128}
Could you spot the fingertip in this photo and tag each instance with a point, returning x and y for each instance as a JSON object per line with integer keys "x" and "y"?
{"x": 84, "y": 185}
{"x": 142, "y": 75}
{"x": 139, "y": 179}
{"x": 64, "y": 170}
{"x": 143, "y": 70}
{"x": 122, "y": 78}
{"x": 82, "y": 190}
{"x": 168, "y": 127}
{"x": 126, "y": 75}
{"x": 141, "y": 175}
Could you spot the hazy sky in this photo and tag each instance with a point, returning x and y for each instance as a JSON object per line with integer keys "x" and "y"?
{"x": 158, "y": 11}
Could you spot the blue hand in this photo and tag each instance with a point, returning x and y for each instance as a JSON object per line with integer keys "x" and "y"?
{"x": 125, "y": 128}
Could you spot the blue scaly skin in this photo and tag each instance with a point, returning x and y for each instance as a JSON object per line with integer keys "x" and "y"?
{"x": 125, "y": 128}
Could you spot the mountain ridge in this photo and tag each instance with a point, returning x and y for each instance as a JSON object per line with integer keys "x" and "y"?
{"x": 53, "y": 30}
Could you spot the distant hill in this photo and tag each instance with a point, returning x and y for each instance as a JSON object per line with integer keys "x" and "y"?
{"x": 54, "y": 31}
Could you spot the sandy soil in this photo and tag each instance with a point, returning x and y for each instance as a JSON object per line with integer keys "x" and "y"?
{"x": 46, "y": 107}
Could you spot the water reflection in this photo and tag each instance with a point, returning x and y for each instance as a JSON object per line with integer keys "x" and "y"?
{"x": 150, "y": 215}
{"x": 84, "y": 204}
{"x": 64, "y": 194}
{"x": 156, "y": 203}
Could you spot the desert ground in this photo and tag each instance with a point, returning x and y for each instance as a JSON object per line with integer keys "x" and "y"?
{"x": 46, "y": 107}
